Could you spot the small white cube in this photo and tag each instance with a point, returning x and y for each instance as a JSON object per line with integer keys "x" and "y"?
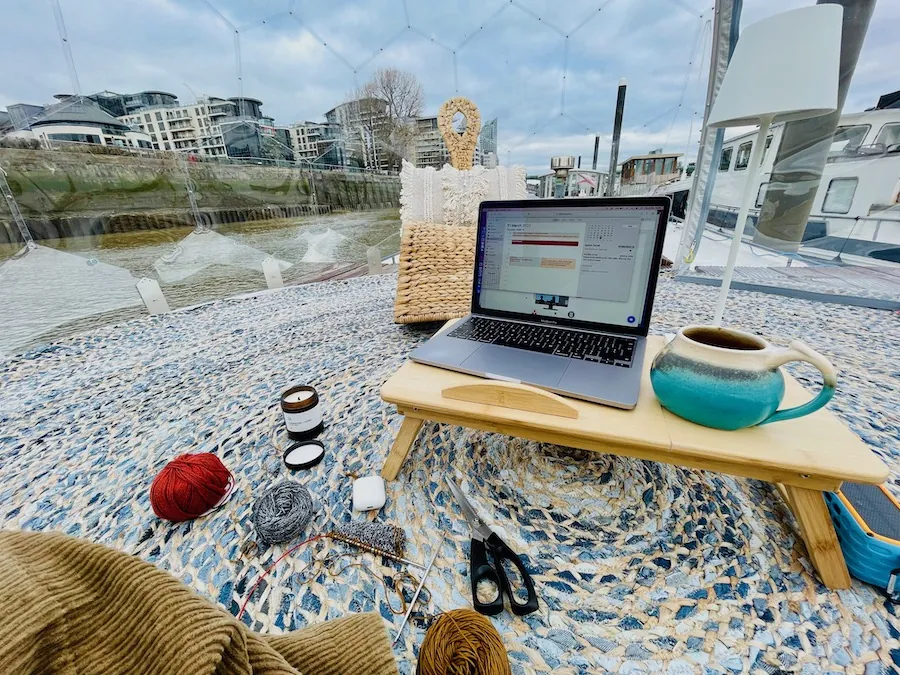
{"x": 368, "y": 493}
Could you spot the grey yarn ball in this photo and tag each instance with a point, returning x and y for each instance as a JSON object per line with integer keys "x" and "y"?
{"x": 282, "y": 513}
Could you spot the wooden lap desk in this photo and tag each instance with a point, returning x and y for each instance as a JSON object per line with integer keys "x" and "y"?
{"x": 803, "y": 457}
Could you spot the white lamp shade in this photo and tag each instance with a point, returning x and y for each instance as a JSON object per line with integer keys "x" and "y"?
{"x": 784, "y": 67}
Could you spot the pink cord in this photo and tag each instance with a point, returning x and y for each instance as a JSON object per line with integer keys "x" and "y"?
{"x": 271, "y": 567}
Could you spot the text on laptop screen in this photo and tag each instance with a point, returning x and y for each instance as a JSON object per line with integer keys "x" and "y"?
{"x": 585, "y": 263}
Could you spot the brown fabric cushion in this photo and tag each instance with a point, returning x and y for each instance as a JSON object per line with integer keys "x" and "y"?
{"x": 434, "y": 282}
{"x": 77, "y": 608}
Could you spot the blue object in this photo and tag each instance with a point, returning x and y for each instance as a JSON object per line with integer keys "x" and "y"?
{"x": 728, "y": 379}
{"x": 871, "y": 557}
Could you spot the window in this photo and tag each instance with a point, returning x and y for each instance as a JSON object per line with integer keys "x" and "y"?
{"x": 164, "y": 136}
{"x": 75, "y": 138}
{"x": 766, "y": 148}
{"x": 669, "y": 165}
{"x": 159, "y": 117}
{"x": 725, "y": 160}
{"x": 761, "y": 195}
{"x": 846, "y": 140}
{"x": 153, "y": 137}
{"x": 889, "y": 135}
{"x": 743, "y": 156}
{"x": 147, "y": 117}
{"x": 839, "y": 195}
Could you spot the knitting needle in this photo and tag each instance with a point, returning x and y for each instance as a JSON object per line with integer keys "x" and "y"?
{"x": 415, "y": 597}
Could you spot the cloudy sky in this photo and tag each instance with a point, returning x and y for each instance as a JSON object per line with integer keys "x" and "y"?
{"x": 548, "y": 69}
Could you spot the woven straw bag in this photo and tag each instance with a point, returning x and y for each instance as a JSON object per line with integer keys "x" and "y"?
{"x": 434, "y": 282}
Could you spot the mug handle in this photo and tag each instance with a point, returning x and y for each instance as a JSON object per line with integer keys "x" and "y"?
{"x": 798, "y": 351}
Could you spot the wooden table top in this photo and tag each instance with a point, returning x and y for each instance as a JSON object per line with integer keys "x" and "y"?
{"x": 817, "y": 451}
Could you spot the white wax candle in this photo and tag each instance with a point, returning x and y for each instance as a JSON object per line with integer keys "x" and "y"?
{"x": 298, "y": 396}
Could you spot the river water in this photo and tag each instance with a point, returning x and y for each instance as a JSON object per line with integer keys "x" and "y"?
{"x": 46, "y": 294}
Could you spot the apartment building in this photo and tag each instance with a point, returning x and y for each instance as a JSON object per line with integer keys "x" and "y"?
{"x": 320, "y": 143}
{"x": 186, "y": 127}
{"x": 72, "y": 120}
{"x": 429, "y": 148}
{"x": 363, "y": 124}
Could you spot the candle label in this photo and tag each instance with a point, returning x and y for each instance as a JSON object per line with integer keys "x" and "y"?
{"x": 299, "y": 422}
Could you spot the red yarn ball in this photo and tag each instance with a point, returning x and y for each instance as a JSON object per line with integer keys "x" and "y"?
{"x": 189, "y": 486}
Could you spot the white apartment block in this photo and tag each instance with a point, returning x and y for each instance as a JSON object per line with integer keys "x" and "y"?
{"x": 305, "y": 137}
{"x": 429, "y": 148}
{"x": 185, "y": 127}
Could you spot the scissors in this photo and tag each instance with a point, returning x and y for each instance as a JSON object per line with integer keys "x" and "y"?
{"x": 483, "y": 540}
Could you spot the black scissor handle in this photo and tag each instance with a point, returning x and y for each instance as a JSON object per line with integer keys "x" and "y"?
{"x": 481, "y": 570}
{"x": 500, "y": 552}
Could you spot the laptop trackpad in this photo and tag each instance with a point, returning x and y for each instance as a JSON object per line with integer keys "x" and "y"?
{"x": 543, "y": 370}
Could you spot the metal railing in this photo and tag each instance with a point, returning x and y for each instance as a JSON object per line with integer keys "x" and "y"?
{"x": 836, "y": 241}
{"x": 98, "y": 148}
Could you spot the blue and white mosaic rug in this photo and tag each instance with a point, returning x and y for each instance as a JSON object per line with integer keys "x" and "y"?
{"x": 639, "y": 566}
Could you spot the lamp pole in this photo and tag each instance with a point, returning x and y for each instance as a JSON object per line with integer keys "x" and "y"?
{"x": 740, "y": 223}
{"x": 617, "y": 133}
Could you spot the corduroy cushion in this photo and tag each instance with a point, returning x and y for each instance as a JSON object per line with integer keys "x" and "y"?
{"x": 74, "y": 607}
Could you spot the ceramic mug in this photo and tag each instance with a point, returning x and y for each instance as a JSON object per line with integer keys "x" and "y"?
{"x": 729, "y": 379}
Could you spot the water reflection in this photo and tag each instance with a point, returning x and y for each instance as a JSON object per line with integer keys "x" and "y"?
{"x": 190, "y": 277}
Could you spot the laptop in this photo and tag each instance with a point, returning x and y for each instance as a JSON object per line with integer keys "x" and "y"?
{"x": 562, "y": 295}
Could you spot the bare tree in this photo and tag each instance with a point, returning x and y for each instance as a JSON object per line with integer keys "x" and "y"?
{"x": 400, "y": 90}
{"x": 387, "y": 107}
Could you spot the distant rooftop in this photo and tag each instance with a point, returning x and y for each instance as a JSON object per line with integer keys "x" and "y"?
{"x": 654, "y": 155}
{"x": 78, "y": 112}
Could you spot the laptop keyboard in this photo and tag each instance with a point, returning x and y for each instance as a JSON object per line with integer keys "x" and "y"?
{"x": 595, "y": 347}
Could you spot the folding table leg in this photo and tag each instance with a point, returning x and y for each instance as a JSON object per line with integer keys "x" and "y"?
{"x": 818, "y": 532}
{"x": 401, "y": 447}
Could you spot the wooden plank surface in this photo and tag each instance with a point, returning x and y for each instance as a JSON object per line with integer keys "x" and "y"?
{"x": 817, "y": 445}
{"x": 417, "y": 388}
{"x": 816, "y": 451}
{"x": 512, "y": 395}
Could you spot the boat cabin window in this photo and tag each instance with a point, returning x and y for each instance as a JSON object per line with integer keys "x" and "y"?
{"x": 725, "y": 160}
{"x": 889, "y": 135}
{"x": 743, "y": 156}
{"x": 839, "y": 196}
{"x": 766, "y": 147}
{"x": 847, "y": 140}
{"x": 761, "y": 195}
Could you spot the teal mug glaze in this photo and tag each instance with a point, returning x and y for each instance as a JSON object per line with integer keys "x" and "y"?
{"x": 729, "y": 379}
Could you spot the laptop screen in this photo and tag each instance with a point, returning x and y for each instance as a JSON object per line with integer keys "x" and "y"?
{"x": 587, "y": 264}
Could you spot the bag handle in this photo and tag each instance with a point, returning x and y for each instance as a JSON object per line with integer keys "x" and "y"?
{"x": 798, "y": 351}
